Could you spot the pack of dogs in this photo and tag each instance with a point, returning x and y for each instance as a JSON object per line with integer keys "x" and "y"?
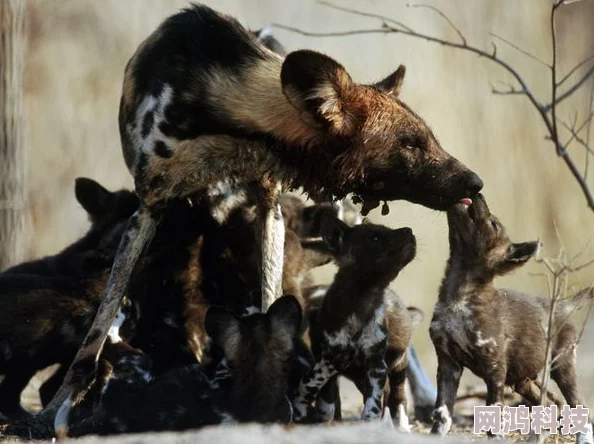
{"x": 190, "y": 300}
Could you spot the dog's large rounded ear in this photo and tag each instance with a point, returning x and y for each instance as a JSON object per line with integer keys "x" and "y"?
{"x": 285, "y": 314}
{"x": 320, "y": 87}
{"x": 334, "y": 232}
{"x": 93, "y": 197}
{"x": 223, "y": 328}
{"x": 393, "y": 83}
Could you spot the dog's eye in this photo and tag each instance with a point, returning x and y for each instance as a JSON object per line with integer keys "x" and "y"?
{"x": 494, "y": 225}
{"x": 375, "y": 238}
{"x": 411, "y": 142}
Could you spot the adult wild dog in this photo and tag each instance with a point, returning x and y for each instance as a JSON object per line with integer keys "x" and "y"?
{"x": 203, "y": 100}
{"x": 498, "y": 334}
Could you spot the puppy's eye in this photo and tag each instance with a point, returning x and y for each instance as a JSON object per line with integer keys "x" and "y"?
{"x": 375, "y": 238}
{"x": 494, "y": 225}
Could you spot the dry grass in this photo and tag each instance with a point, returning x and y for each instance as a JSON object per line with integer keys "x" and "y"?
{"x": 78, "y": 50}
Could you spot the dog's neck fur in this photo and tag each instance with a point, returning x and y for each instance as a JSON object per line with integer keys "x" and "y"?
{"x": 267, "y": 108}
{"x": 461, "y": 282}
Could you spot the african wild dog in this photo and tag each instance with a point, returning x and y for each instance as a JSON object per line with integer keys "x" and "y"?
{"x": 193, "y": 113}
{"x": 498, "y": 334}
{"x": 349, "y": 332}
{"x": 48, "y": 304}
{"x": 250, "y": 384}
{"x": 400, "y": 321}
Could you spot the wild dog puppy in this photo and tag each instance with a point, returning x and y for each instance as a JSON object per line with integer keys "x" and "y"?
{"x": 193, "y": 113}
{"x": 108, "y": 213}
{"x": 249, "y": 384}
{"x": 498, "y": 334}
{"x": 400, "y": 321}
{"x": 48, "y": 304}
{"x": 349, "y": 332}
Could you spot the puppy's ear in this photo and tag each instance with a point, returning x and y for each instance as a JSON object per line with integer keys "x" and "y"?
{"x": 321, "y": 88}
{"x": 416, "y": 315}
{"x": 223, "y": 328}
{"x": 334, "y": 232}
{"x": 93, "y": 197}
{"x": 393, "y": 83}
{"x": 518, "y": 254}
{"x": 285, "y": 314}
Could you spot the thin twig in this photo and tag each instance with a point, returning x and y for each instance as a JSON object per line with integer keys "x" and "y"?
{"x": 523, "y": 51}
{"x": 365, "y": 14}
{"x": 590, "y": 108}
{"x": 576, "y": 137}
{"x": 574, "y": 69}
{"x": 572, "y": 89}
{"x": 445, "y": 17}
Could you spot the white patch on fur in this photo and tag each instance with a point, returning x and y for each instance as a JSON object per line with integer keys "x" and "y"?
{"x": 370, "y": 334}
{"x": 157, "y": 105}
{"x": 319, "y": 293}
{"x": 444, "y": 414}
{"x": 480, "y": 342}
{"x": 114, "y": 330}
{"x": 386, "y": 420}
{"x": 340, "y": 210}
{"x": 250, "y": 310}
{"x": 225, "y": 198}
{"x": 403, "y": 423}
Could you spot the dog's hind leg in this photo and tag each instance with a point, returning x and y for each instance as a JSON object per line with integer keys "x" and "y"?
{"x": 273, "y": 243}
{"x": 138, "y": 234}
{"x": 423, "y": 392}
{"x": 12, "y": 386}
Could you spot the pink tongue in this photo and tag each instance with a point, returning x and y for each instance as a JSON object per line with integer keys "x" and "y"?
{"x": 466, "y": 201}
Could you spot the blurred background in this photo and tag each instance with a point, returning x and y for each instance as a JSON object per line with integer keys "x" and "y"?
{"x": 76, "y": 53}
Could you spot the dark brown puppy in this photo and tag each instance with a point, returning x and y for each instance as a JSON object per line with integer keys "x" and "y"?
{"x": 48, "y": 304}
{"x": 400, "y": 322}
{"x": 349, "y": 332}
{"x": 495, "y": 333}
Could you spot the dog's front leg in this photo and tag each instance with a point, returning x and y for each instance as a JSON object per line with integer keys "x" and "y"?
{"x": 273, "y": 244}
{"x": 374, "y": 383}
{"x": 448, "y": 380}
{"x": 139, "y": 233}
{"x": 310, "y": 387}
